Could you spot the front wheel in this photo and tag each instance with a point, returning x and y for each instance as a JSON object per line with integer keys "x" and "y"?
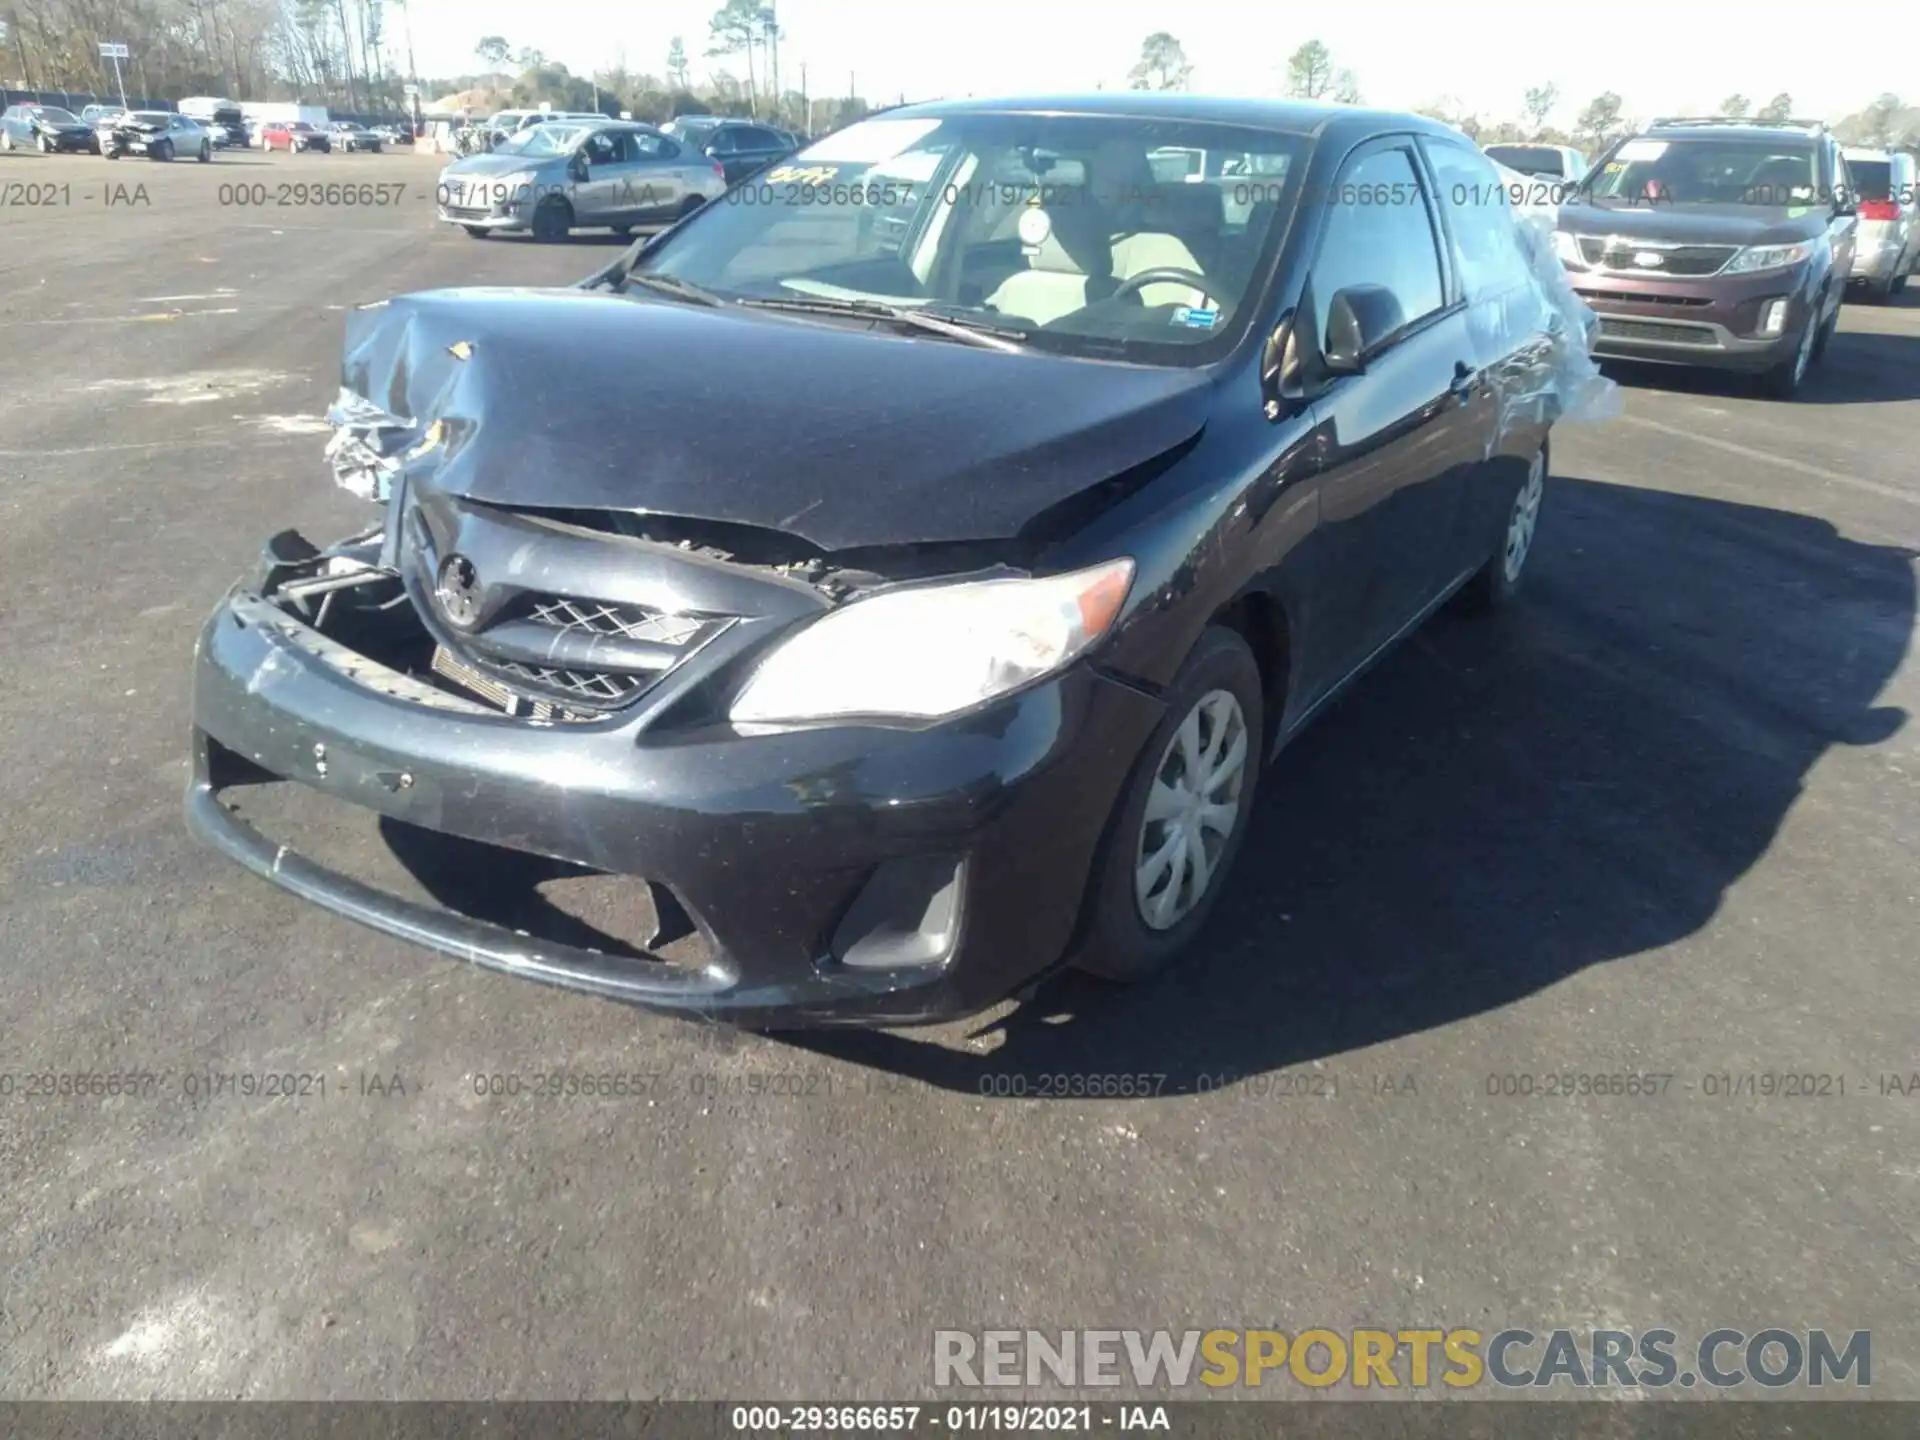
{"x": 110, "y": 153}
{"x": 1495, "y": 583}
{"x": 161, "y": 151}
{"x": 1784, "y": 380}
{"x": 552, "y": 220}
{"x": 206, "y": 153}
{"x": 1178, "y": 824}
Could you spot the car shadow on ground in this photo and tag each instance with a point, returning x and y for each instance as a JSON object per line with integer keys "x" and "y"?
{"x": 1503, "y": 802}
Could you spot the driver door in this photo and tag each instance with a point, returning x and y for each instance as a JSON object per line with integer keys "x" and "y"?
{"x": 597, "y": 168}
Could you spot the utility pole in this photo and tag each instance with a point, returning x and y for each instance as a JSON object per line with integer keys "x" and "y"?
{"x": 773, "y": 54}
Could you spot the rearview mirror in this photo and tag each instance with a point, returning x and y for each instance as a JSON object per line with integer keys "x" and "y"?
{"x": 1360, "y": 319}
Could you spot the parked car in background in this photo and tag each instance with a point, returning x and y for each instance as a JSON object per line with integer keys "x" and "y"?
{"x": 392, "y": 135}
{"x": 46, "y": 128}
{"x": 895, "y": 702}
{"x": 742, "y": 147}
{"x": 348, "y": 136}
{"x": 1546, "y": 162}
{"x": 293, "y": 135}
{"x": 1715, "y": 243}
{"x": 1888, "y": 243}
{"x": 504, "y": 123}
{"x": 222, "y": 117}
{"x": 158, "y": 135}
{"x": 554, "y": 178}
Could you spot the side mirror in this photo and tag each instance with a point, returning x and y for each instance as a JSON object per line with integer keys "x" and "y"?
{"x": 1359, "y": 320}
{"x": 712, "y": 152}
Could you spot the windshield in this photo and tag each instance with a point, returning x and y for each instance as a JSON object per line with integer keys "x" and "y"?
{"x": 1057, "y": 229}
{"x": 1529, "y": 159}
{"x": 537, "y": 140}
{"x": 152, "y": 117}
{"x": 1872, "y": 178}
{"x": 1708, "y": 172}
{"x": 55, "y": 115}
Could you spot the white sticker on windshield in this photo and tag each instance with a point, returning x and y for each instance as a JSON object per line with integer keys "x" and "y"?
{"x": 1641, "y": 150}
{"x": 869, "y": 141}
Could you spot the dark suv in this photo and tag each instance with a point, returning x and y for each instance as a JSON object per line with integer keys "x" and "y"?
{"x": 741, "y": 147}
{"x": 1723, "y": 244}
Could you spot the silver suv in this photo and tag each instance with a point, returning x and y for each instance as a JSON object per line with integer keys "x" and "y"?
{"x": 553, "y": 178}
{"x": 1888, "y": 241}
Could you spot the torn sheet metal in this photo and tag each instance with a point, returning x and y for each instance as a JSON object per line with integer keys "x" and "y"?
{"x": 365, "y": 451}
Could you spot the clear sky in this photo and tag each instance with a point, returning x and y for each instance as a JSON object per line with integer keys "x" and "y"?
{"x": 1675, "y": 57}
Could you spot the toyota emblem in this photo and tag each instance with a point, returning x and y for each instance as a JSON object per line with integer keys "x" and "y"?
{"x": 459, "y": 591}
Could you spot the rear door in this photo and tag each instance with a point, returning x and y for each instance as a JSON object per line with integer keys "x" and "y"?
{"x": 1401, "y": 439}
{"x": 1509, "y": 329}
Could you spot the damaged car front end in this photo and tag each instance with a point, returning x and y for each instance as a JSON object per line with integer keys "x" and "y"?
{"x": 542, "y": 664}
{"x": 956, "y": 655}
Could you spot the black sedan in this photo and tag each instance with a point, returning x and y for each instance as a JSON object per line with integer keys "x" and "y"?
{"x": 46, "y": 128}
{"x": 351, "y": 137}
{"x": 880, "y": 700}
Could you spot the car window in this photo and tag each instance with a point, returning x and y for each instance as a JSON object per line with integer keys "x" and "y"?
{"x": 605, "y": 149}
{"x": 654, "y": 147}
{"x": 1028, "y": 222}
{"x": 757, "y": 138}
{"x": 725, "y": 139}
{"x": 1706, "y": 170}
{"x": 1378, "y": 233}
{"x": 1476, "y": 206}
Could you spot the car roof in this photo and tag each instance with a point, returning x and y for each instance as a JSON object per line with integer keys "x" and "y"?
{"x": 1292, "y": 117}
{"x": 1759, "y": 130}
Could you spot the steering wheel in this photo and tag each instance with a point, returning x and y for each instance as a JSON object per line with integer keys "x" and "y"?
{"x": 1161, "y": 275}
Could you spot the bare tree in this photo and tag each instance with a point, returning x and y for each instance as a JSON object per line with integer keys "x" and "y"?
{"x": 1538, "y": 104}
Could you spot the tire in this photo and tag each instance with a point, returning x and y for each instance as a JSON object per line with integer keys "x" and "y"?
{"x": 206, "y": 153}
{"x": 1495, "y": 584}
{"x": 690, "y": 204}
{"x": 623, "y": 231}
{"x": 552, "y": 220}
{"x": 1784, "y": 380}
{"x": 111, "y": 153}
{"x": 478, "y": 232}
{"x": 161, "y": 151}
{"x": 1131, "y": 929}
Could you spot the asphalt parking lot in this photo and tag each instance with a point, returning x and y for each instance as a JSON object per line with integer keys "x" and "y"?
{"x": 1662, "y": 819}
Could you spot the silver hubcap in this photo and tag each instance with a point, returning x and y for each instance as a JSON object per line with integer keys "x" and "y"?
{"x": 1191, "y": 811}
{"x": 1526, "y": 515}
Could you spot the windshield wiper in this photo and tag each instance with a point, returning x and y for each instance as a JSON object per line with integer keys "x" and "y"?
{"x": 668, "y": 285}
{"x": 965, "y": 330}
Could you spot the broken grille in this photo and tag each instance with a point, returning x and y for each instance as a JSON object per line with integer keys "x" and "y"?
{"x": 634, "y": 622}
{"x": 597, "y": 687}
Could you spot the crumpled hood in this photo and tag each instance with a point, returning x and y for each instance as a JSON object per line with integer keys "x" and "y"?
{"x": 1695, "y": 224}
{"x": 841, "y": 436}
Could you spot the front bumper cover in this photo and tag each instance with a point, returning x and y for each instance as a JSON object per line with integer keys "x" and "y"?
{"x": 773, "y": 844}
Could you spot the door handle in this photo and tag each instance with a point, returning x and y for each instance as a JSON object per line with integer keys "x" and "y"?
{"x": 1465, "y": 380}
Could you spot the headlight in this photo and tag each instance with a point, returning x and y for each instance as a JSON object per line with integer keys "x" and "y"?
{"x": 1568, "y": 249}
{"x": 1756, "y": 258}
{"x": 936, "y": 649}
